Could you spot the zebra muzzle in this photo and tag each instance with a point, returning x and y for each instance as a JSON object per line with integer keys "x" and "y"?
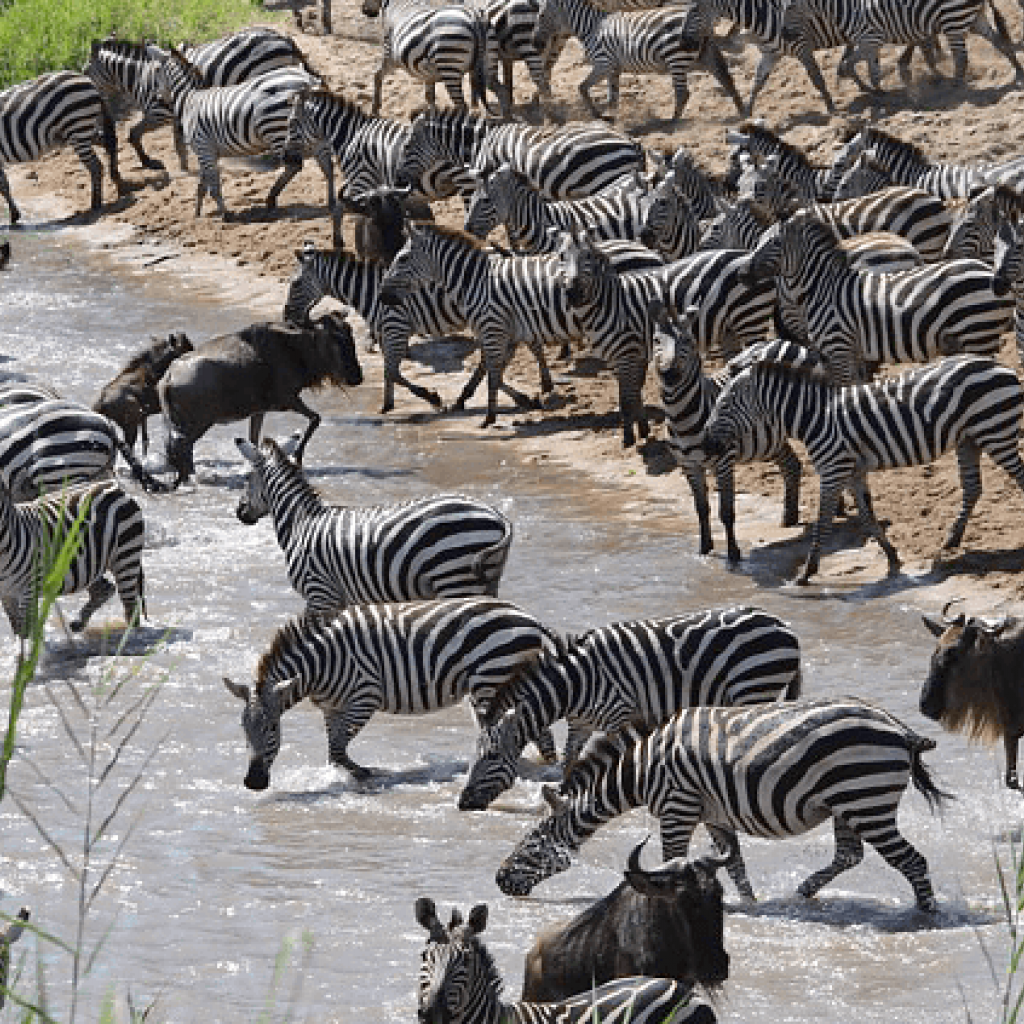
{"x": 257, "y": 778}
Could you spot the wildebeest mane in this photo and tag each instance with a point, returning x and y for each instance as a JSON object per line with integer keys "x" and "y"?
{"x": 315, "y": 350}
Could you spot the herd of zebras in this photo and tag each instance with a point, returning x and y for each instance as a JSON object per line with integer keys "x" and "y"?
{"x": 807, "y": 279}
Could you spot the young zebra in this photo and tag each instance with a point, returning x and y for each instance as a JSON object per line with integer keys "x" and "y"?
{"x": 247, "y": 119}
{"x": 50, "y": 442}
{"x": 966, "y": 403}
{"x": 973, "y": 234}
{"x": 688, "y": 396}
{"x": 637, "y": 672}
{"x": 857, "y": 319}
{"x": 773, "y": 771}
{"x": 53, "y": 110}
{"x": 404, "y": 659}
{"x": 669, "y": 41}
{"x": 459, "y": 983}
{"x": 668, "y": 221}
{"x": 438, "y": 44}
{"x": 534, "y": 224}
{"x": 127, "y": 75}
{"x": 111, "y": 538}
{"x": 568, "y": 162}
{"x": 443, "y": 546}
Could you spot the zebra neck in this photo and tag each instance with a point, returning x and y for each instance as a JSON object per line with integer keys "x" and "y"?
{"x": 292, "y": 502}
{"x": 341, "y": 124}
{"x": 801, "y": 406}
{"x": 462, "y": 269}
{"x": 582, "y": 17}
{"x": 1018, "y": 320}
{"x": 291, "y": 692}
{"x": 619, "y": 786}
{"x": 354, "y": 281}
{"x": 528, "y": 220}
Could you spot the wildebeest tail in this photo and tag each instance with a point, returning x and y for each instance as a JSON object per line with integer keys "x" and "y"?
{"x": 796, "y": 685}
{"x": 148, "y": 482}
{"x": 920, "y": 775}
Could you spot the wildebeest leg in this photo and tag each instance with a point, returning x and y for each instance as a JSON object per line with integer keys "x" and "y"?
{"x": 342, "y": 726}
{"x": 725, "y": 840}
{"x": 255, "y": 426}
{"x": 300, "y": 406}
{"x": 5, "y": 191}
{"x": 1010, "y": 741}
{"x": 849, "y": 853}
{"x": 100, "y": 591}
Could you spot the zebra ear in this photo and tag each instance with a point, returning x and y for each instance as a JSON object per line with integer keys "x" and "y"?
{"x": 237, "y": 690}
{"x": 478, "y": 918}
{"x": 249, "y": 451}
{"x": 426, "y": 915}
{"x": 290, "y": 445}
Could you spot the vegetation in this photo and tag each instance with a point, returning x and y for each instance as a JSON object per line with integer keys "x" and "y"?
{"x": 45, "y": 35}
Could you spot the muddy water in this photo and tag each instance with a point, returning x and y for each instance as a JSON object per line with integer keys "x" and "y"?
{"x": 215, "y": 881}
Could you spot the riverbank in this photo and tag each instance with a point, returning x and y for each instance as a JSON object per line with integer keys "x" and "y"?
{"x": 250, "y": 258}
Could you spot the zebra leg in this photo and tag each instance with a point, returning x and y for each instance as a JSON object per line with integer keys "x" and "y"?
{"x": 866, "y": 515}
{"x": 343, "y": 725}
{"x": 378, "y": 86}
{"x": 179, "y": 146}
{"x": 631, "y": 404}
{"x": 286, "y": 175}
{"x": 769, "y": 58}
{"x": 108, "y": 138}
{"x": 968, "y": 458}
{"x": 452, "y": 81}
{"x": 100, "y": 591}
{"x": 725, "y": 841}
{"x": 849, "y": 853}
{"x": 95, "y": 168}
{"x": 681, "y": 91}
{"x": 20, "y": 615}
{"x": 791, "y": 470}
{"x": 584, "y": 87}
{"x": 698, "y": 488}
{"x": 713, "y": 59}
{"x": 5, "y": 191}
{"x": 395, "y": 345}
{"x": 131, "y": 583}
{"x": 725, "y": 480}
{"x": 958, "y": 47}
{"x": 829, "y": 493}
{"x": 999, "y": 37}
{"x": 135, "y": 138}
{"x": 898, "y": 853}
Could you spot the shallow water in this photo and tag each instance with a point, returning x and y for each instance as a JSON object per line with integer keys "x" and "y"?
{"x": 215, "y": 880}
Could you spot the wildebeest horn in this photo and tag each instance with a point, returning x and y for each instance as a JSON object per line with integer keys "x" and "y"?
{"x": 959, "y": 620}
{"x": 633, "y": 863}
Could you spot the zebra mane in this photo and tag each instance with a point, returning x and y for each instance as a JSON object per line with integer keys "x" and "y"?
{"x": 324, "y": 94}
{"x": 291, "y": 634}
{"x": 121, "y": 48}
{"x": 296, "y": 479}
{"x": 192, "y": 70}
{"x": 819, "y": 235}
{"x": 876, "y": 138}
{"x": 792, "y": 362}
{"x": 601, "y": 750}
{"x": 454, "y": 235}
{"x": 1008, "y": 202}
{"x": 767, "y": 139}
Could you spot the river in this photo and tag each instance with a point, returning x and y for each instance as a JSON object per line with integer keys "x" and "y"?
{"x": 216, "y": 883}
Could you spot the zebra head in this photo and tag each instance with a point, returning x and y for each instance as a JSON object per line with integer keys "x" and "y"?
{"x": 668, "y": 223}
{"x": 864, "y": 176}
{"x": 177, "y": 77}
{"x": 1008, "y": 264}
{"x": 414, "y": 264}
{"x": 974, "y": 232}
{"x": 254, "y": 503}
{"x": 768, "y": 189}
{"x": 583, "y": 269}
{"x": 307, "y": 286}
{"x": 765, "y": 258}
{"x": 261, "y": 722}
{"x": 673, "y": 343}
{"x": 853, "y": 144}
{"x": 498, "y": 748}
{"x": 458, "y": 979}
{"x": 538, "y": 855}
{"x": 305, "y": 130}
{"x": 491, "y": 202}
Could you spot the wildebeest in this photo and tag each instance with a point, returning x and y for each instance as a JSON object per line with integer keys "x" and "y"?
{"x": 665, "y": 922}
{"x": 260, "y": 369}
{"x": 974, "y": 682}
{"x": 8, "y": 937}
{"x": 131, "y": 396}
{"x": 382, "y": 213}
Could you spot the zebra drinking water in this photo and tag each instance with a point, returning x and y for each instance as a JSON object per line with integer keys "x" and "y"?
{"x": 636, "y": 672}
{"x": 459, "y": 983}
{"x": 773, "y": 771}
{"x": 409, "y": 658}
{"x": 56, "y": 109}
{"x": 966, "y": 403}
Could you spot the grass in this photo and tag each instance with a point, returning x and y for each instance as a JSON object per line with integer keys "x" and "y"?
{"x": 37, "y": 36}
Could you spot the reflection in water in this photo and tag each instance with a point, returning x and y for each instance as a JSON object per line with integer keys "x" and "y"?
{"x": 216, "y": 878}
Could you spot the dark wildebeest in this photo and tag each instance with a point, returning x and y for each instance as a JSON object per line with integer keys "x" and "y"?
{"x": 249, "y": 373}
{"x": 382, "y": 213}
{"x": 975, "y": 681}
{"x": 8, "y": 937}
{"x": 666, "y": 922}
{"x": 130, "y": 398}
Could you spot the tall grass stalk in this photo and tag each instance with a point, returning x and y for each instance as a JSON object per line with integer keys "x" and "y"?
{"x": 45, "y": 35}
{"x": 1011, "y": 887}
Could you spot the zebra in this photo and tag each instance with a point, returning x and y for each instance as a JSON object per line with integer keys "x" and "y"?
{"x": 637, "y": 672}
{"x": 109, "y": 532}
{"x": 697, "y": 184}
{"x": 668, "y": 223}
{"x": 438, "y": 43}
{"x": 864, "y": 176}
{"x": 513, "y": 22}
{"x": 126, "y": 74}
{"x": 858, "y": 319}
{"x": 688, "y": 395}
{"x": 569, "y": 162}
{"x": 534, "y": 224}
{"x": 250, "y": 118}
{"x": 24, "y": 392}
{"x": 967, "y": 403}
{"x": 459, "y": 983}
{"x": 1008, "y": 275}
{"x": 670, "y": 40}
{"x": 973, "y": 234}
{"x": 406, "y": 658}
{"x": 447, "y": 545}
{"x": 53, "y": 110}
{"x": 50, "y": 442}
{"x": 774, "y": 771}
{"x": 505, "y": 300}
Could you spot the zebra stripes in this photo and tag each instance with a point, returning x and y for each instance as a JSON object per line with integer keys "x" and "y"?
{"x": 438, "y": 44}
{"x": 459, "y": 983}
{"x": 772, "y": 771}
{"x": 247, "y": 119}
{"x": 670, "y": 41}
{"x": 857, "y": 318}
{"x": 443, "y": 546}
{"x": 637, "y": 672}
{"x": 1008, "y": 275}
{"x": 513, "y": 23}
{"x": 569, "y": 162}
{"x": 966, "y": 403}
{"x": 126, "y": 74}
{"x": 973, "y": 233}
{"x": 110, "y": 536}
{"x": 668, "y": 221}
{"x": 810, "y": 183}
{"x": 405, "y": 659}
{"x": 54, "y": 110}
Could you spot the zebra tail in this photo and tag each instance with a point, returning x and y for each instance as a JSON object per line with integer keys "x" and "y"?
{"x": 149, "y": 483}
{"x": 489, "y": 564}
{"x": 922, "y": 778}
{"x": 796, "y": 685}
